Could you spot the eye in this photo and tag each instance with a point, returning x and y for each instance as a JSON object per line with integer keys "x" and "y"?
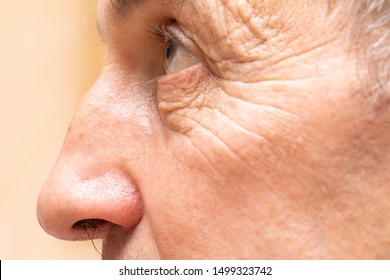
{"x": 176, "y": 53}
{"x": 177, "y": 57}
{"x": 169, "y": 50}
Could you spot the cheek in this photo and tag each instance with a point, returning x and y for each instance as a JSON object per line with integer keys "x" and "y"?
{"x": 202, "y": 125}
{"x": 187, "y": 210}
{"x": 238, "y": 141}
{"x": 212, "y": 151}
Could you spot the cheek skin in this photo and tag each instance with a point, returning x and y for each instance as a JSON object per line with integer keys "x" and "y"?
{"x": 185, "y": 108}
{"x": 200, "y": 171}
{"x": 276, "y": 147}
{"x": 223, "y": 152}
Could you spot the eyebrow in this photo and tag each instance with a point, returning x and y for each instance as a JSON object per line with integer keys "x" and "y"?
{"x": 120, "y": 9}
{"x": 124, "y": 7}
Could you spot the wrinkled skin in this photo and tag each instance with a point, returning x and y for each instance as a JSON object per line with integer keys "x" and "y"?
{"x": 262, "y": 150}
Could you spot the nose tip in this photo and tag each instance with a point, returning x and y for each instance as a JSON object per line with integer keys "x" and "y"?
{"x": 83, "y": 205}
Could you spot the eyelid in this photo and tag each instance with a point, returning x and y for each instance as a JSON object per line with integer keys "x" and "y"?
{"x": 175, "y": 33}
{"x": 172, "y": 31}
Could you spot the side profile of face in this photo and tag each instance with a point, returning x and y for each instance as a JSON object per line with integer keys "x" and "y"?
{"x": 224, "y": 130}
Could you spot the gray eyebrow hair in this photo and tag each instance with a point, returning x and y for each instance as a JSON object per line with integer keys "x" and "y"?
{"x": 120, "y": 8}
{"x": 125, "y": 7}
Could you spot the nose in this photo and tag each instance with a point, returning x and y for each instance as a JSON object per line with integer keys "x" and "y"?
{"x": 92, "y": 186}
{"x": 74, "y": 205}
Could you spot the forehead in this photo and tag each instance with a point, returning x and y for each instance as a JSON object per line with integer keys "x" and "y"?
{"x": 214, "y": 25}
{"x": 117, "y": 9}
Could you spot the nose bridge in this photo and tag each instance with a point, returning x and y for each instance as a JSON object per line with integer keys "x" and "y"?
{"x": 110, "y": 114}
{"x": 91, "y": 179}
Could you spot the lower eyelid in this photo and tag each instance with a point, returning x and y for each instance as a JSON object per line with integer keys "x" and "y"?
{"x": 174, "y": 91}
{"x": 196, "y": 73}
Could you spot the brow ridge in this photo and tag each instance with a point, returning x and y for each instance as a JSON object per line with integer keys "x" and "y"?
{"x": 125, "y": 7}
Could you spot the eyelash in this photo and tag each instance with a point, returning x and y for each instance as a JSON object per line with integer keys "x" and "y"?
{"x": 162, "y": 35}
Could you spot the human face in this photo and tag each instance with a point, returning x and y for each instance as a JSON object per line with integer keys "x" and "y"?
{"x": 233, "y": 134}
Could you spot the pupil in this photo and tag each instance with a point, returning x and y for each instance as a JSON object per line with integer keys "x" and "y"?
{"x": 169, "y": 50}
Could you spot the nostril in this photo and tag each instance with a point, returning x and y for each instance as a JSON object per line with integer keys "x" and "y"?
{"x": 86, "y": 206}
{"x": 90, "y": 228}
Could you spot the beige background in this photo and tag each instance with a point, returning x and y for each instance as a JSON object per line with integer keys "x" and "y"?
{"x": 49, "y": 56}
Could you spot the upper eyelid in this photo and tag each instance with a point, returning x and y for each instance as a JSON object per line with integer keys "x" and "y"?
{"x": 161, "y": 33}
{"x": 172, "y": 31}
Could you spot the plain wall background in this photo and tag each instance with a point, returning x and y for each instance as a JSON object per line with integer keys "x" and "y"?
{"x": 49, "y": 56}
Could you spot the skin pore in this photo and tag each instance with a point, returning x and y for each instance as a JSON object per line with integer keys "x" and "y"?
{"x": 245, "y": 139}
